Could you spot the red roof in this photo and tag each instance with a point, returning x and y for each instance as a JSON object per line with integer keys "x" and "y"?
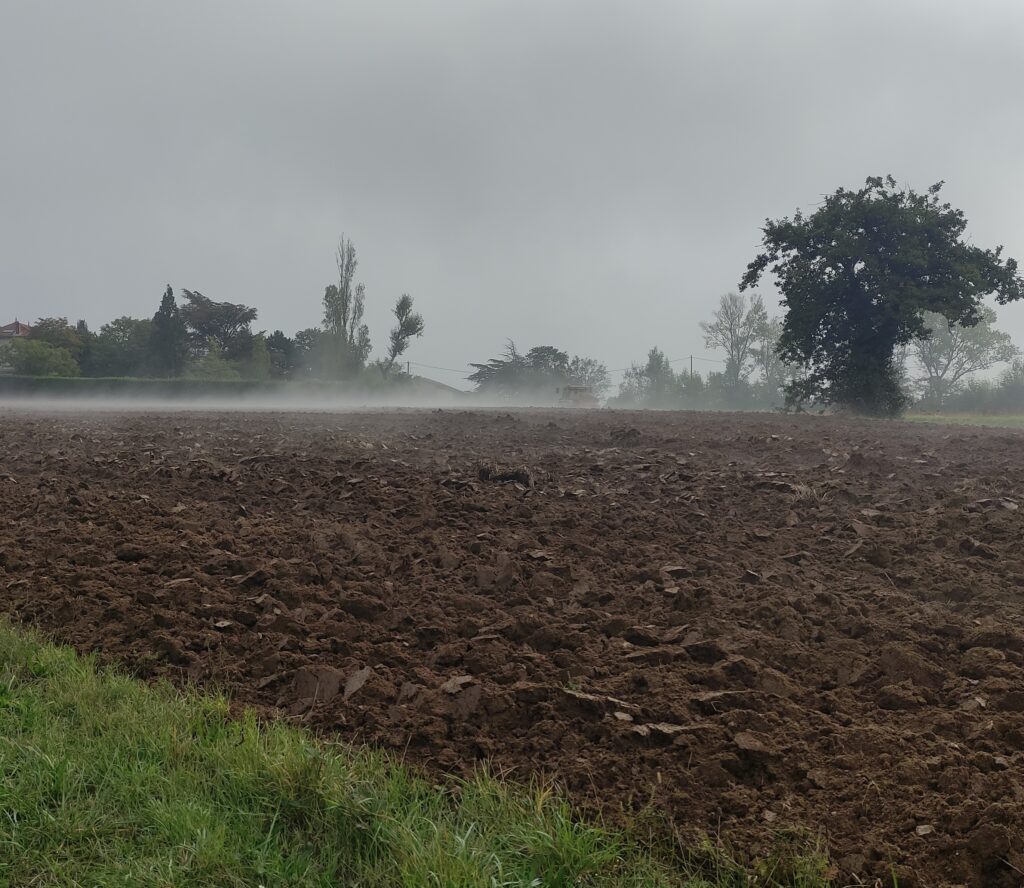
{"x": 15, "y": 329}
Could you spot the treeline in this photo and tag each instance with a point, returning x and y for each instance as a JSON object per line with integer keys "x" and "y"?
{"x": 538, "y": 374}
{"x": 752, "y": 375}
{"x": 1002, "y": 395}
{"x": 751, "y": 378}
{"x": 937, "y": 372}
{"x": 883, "y": 310}
{"x": 194, "y": 337}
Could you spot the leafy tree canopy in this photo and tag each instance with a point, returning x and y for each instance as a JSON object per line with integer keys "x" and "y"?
{"x": 284, "y": 354}
{"x": 765, "y": 354}
{"x": 345, "y": 347}
{"x": 226, "y": 324}
{"x": 32, "y": 357}
{"x": 589, "y": 371}
{"x": 306, "y": 340}
{"x": 409, "y": 326}
{"x": 734, "y": 328}
{"x": 856, "y": 276}
{"x": 122, "y": 348}
{"x": 60, "y": 334}
{"x": 213, "y": 365}
{"x": 259, "y": 365}
{"x": 651, "y": 384}
{"x": 542, "y": 370}
{"x": 952, "y": 352}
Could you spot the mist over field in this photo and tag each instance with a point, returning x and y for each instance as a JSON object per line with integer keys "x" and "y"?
{"x": 512, "y": 443}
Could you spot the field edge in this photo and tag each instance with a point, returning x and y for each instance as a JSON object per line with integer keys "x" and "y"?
{"x": 107, "y": 780}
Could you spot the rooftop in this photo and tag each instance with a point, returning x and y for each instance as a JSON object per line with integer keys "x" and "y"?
{"x": 9, "y": 331}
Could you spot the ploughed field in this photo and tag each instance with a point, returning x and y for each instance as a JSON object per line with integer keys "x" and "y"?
{"x": 753, "y": 622}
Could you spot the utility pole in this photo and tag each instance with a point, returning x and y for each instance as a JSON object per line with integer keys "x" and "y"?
{"x": 408, "y": 368}
{"x": 691, "y": 366}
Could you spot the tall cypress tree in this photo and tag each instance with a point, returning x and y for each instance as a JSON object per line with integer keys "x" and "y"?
{"x": 169, "y": 341}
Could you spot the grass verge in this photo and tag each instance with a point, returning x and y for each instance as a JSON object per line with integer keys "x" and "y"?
{"x": 994, "y": 420}
{"x": 105, "y": 781}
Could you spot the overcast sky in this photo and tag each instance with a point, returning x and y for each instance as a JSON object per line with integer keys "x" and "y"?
{"x": 587, "y": 174}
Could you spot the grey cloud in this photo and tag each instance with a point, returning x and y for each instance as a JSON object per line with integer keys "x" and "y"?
{"x": 590, "y": 174}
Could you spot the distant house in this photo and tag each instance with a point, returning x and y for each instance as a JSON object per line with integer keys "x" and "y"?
{"x": 14, "y": 331}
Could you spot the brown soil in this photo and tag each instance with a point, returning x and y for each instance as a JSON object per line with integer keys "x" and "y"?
{"x": 755, "y": 622}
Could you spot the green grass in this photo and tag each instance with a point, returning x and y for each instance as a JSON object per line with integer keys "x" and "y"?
{"x": 105, "y": 781}
{"x": 1008, "y": 421}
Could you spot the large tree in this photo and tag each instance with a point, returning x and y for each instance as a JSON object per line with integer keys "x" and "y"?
{"x": 122, "y": 348}
{"x": 60, "y": 334}
{"x": 856, "y": 276}
{"x": 409, "y": 326}
{"x": 734, "y": 329}
{"x": 548, "y": 364}
{"x": 305, "y": 357}
{"x": 225, "y": 325}
{"x": 259, "y": 365}
{"x": 539, "y": 372}
{"x": 347, "y": 343}
{"x": 502, "y": 375}
{"x": 590, "y": 371}
{"x": 36, "y": 357}
{"x": 168, "y": 343}
{"x": 284, "y": 354}
{"x": 951, "y": 351}
{"x": 652, "y": 384}
{"x": 765, "y": 354}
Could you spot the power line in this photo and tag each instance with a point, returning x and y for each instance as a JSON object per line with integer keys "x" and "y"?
{"x": 432, "y": 367}
{"x": 674, "y": 361}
